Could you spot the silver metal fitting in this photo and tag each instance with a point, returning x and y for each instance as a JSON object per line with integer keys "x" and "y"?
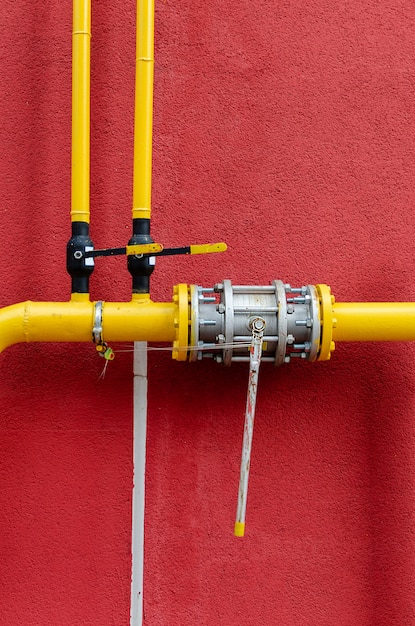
{"x": 222, "y": 322}
{"x": 97, "y": 328}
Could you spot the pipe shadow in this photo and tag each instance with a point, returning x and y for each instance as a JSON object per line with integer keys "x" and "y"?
{"x": 387, "y": 403}
{"x": 36, "y": 129}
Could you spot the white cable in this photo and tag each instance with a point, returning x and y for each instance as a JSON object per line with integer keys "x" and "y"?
{"x": 139, "y": 460}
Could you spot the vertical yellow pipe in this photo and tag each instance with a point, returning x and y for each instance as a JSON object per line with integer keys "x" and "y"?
{"x": 81, "y": 63}
{"x": 143, "y": 116}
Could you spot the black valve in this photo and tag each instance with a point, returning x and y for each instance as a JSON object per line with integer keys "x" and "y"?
{"x": 141, "y": 251}
{"x": 140, "y": 266}
{"x": 78, "y": 265}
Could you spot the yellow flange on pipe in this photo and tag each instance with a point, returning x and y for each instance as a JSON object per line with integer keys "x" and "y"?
{"x": 326, "y": 300}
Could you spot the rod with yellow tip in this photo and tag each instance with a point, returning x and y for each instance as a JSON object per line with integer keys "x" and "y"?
{"x": 257, "y": 325}
{"x": 204, "y": 248}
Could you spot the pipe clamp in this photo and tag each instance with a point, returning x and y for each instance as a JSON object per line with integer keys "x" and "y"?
{"x": 97, "y": 328}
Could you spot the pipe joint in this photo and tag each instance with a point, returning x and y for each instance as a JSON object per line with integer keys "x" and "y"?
{"x": 221, "y": 322}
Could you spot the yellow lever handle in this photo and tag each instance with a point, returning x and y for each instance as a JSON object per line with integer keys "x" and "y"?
{"x": 207, "y": 248}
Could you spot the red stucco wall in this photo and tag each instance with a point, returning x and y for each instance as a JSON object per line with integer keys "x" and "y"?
{"x": 286, "y": 129}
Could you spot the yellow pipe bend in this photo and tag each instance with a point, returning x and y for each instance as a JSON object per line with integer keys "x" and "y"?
{"x": 138, "y": 320}
{"x": 143, "y": 116}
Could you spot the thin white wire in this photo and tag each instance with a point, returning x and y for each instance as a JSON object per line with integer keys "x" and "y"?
{"x": 219, "y": 346}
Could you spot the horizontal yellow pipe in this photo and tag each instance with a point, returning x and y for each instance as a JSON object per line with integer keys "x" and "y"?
{"x": 373, "y": 321}
{"x": 138, "y": 320}
{"x": 81, "y": 63}
{"x": 143, "y": 114}
{"x": 141, "y": 319}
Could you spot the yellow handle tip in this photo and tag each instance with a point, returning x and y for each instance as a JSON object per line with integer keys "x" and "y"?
{"x": 220, "y": 247}
{"x": 207, "y": 248}
{"x": 239, "y": 530}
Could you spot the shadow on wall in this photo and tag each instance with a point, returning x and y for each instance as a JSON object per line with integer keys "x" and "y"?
{"x": 330, "y": 516}
{"x": 35, "y": 107}
{"x": 386, "y": 400}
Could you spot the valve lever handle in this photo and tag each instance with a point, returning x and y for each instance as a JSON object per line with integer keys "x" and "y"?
{"x": 204, "y": 248}
{"x": 145, "y": 248}
{"x": 156, "y": 249}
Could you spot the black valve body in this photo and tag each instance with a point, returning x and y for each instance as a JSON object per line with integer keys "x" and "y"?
{"x": 140, "y": 267}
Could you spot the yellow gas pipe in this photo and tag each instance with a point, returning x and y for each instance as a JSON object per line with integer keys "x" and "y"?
{"x": 142, "y": 319}
{"x": 81, "y": 63}
{"x": 362, "y": 321}
{"x": 374, "y": 321}
{"x": 145, "y": 320}
{"x": 143, "y": 113}
{"x": 138, "y": 320}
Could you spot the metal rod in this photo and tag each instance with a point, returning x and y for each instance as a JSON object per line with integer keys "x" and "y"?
{"x": 253, "y": 289}
{"x": 245, "y": 359}
{"x": 259, "y": 309}
{"x": 247, "y": 338}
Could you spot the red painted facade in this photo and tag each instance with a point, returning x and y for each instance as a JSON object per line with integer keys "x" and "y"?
{"x": 287, "y": 130}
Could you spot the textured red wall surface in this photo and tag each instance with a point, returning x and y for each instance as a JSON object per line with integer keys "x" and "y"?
{"x": 286, "y": 129}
